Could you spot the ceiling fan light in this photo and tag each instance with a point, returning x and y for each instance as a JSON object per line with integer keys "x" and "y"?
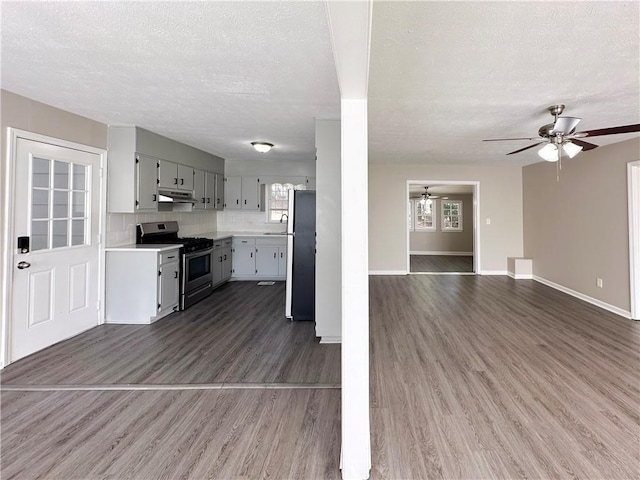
{"x": 262, "y": 147}
{"x": 549, "y": 153}
{"x": 571, "y": 149}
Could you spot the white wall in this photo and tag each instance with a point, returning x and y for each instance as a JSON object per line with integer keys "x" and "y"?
{"x": 500, "y": 201}
{"x": 329, "y": 231}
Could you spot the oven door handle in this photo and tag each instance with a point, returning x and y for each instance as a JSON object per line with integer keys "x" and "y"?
{"x": 199, "y": 253}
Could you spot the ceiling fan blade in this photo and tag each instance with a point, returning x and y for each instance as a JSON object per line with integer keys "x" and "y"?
{"x": 565, "y": 125}
{"x": 525, "y": 148}
{"x": 585, "y": 145}
{"x": 610, "y": 131}
{"x": 506, "y": 139}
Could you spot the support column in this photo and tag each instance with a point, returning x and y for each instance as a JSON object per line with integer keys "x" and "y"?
{"x": 356, "y": 445}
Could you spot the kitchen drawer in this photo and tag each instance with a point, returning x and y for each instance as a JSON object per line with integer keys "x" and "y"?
{"x": 244, "y": 240}
{"x": 217, "y": 244}
{"x": 170, "y": 256}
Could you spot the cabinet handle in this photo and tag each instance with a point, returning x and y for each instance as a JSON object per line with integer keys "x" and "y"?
{"x": 203, "y": 200}
{"x": 237, "y": 201}
{"x": 251, "y": 254}
{"x": 245, "y": 202}
{"x": 208, "y": 200}
{"x": 182, "y": 181}
{"x": 218, "y": 201}
{"x": 175, "y": 181}
{"x": 155, "y": 198}
{"x": 225, "y": 256}
{"x": 175, "y": 274}
{"x": 172, "y": 256}
{"x": 275, "y": 254}
{"x": 281, "y": 254}
{"x": 220, "y": 260}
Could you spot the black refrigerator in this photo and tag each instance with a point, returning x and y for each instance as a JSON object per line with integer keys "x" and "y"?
{"x": 301, "y": 255}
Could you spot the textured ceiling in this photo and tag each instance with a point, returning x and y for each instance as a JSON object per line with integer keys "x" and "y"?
{"x": 215, "y": 75}
{"x": 443, "y": 75}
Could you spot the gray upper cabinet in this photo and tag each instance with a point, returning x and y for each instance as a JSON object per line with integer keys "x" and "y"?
{"x": 242, "y": 193}
{"x": 199, "y": 190}
{"x": 210, "y": 191}
{"x": 250, "y": 193}
{"x": 147, "y": 180}
{"x": 173, "y": 176}
{"x": 140, "y": 162}
{"x": 219, "y": 179}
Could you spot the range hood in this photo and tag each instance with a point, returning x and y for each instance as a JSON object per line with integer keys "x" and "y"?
{"x": 170, "y": 196}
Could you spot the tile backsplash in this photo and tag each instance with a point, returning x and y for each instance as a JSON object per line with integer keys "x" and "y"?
{"x": 238, "y": 221}
{"x": 121, "y": 227}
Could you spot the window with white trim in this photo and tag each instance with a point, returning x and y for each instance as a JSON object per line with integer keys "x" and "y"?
{"x": 451, "y": 215}
{"x": 421, "y": 216}
{"x": 424, "y": 218}
{"x": 279, "y": 200}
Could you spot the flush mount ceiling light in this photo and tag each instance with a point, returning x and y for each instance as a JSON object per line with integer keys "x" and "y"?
{"x": 262, "y": 147}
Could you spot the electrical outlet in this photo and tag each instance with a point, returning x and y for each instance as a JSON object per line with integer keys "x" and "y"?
{"x": 599, "y": 282}
{"x": 488, "y": 220}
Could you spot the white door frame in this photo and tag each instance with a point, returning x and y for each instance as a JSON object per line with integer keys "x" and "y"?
{"x": 476, "y": 218}
{"x": 633, "y": 192}
{"x": 13, "y": 134}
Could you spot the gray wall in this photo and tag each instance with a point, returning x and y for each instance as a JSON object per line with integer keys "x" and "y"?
{"x": 500, "y": 200}
{"x": 440, "y": 241}
{"x": 576, "y": 230}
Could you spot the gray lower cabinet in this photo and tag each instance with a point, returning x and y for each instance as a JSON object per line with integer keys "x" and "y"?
{"x": 142, "y": 284}
{"x": 221, "y": 267}
{"x": 262, "y": 257}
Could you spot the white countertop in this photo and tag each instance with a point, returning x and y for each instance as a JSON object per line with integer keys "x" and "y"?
{"x": 152, "y": 247}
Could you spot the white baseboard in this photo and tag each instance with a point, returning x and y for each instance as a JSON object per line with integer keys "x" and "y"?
{"x": 582, "y": 296}
{"x": 327, "y": 340}
{"x": 493, "y": 272}
{"x": 428, "y": 252}
{"x": 387, "y": 272}
{"x": 521, "y": 276}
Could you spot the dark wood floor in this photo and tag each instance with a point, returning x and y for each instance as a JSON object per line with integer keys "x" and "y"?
{"x": 440, "y": 263}
{"x": 229, "y": 434}
{"x": 237, "y": 335}
{"x": 471, "y": 377}
{"x": 489, "y": 377}
{"x": 239, "y": 338}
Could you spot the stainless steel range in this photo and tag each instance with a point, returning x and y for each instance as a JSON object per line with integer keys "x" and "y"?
{"x": 196, "y": 278}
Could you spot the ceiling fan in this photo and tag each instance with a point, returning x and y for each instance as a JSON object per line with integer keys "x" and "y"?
{"x": 427, "y": 197}
{"x": 562, "y": 133}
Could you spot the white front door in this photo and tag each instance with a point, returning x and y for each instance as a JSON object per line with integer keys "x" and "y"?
{"x": 55, "y": 289}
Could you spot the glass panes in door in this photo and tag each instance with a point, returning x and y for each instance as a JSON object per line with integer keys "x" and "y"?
{"x": 59, "y": 210}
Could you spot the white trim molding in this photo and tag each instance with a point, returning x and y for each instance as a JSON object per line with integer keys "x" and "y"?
{"x": 327, "y": 339}
{"x": 493, "y": 272}
{"x": 583, "y": 297}
{"x": 476, "y": 218}
{"x": 428, "y": 252}
{"x": 520, "y": 276}
{"x": 633, "y": 194}
{"x": 388, "y": 272}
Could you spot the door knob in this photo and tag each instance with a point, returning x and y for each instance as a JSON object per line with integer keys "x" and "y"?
{"x": 23, "y": 265}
